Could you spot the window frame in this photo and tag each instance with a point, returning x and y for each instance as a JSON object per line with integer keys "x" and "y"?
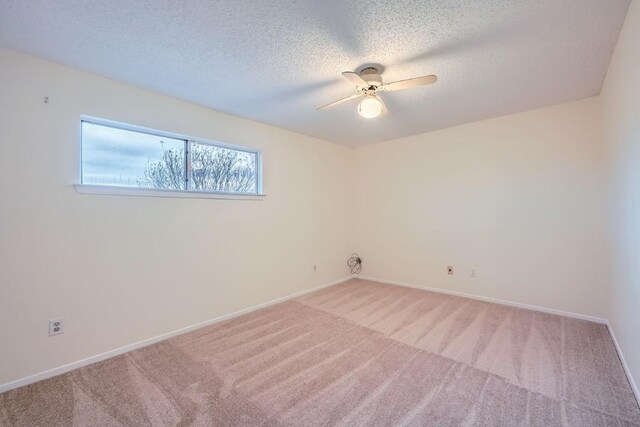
{"x": 83, "y": 188}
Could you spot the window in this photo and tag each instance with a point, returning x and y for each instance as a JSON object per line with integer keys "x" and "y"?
{"x": 122, "y": 156}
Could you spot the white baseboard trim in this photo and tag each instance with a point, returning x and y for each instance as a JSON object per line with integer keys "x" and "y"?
{"x": 487, "y": 299}
{"x": 121, "y": 350}
{"x": 127, "y": 348}
{"x": 632, "y": 383}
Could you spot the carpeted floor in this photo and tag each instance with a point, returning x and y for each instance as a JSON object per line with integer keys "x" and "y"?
{"x": 359, "y": 353}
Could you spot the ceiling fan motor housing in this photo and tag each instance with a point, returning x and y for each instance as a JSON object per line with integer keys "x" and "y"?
{"x": 371, "y": 76}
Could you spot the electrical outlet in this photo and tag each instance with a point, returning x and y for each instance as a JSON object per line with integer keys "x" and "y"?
{"x": 55, "y": 327}
{"x": 473, "y": 272}
{"x": 450, "y": 270}
{"x": 315, "y": 268}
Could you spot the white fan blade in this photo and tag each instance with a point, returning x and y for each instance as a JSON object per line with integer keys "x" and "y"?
{"x": 340, "y": 101}
{"x": 409, "y": 83}
{"x": 355, "y": 78}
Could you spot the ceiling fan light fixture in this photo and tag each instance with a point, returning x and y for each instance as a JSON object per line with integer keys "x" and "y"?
{"x": 368, "y": 83}
{"x": 370, "y": 107}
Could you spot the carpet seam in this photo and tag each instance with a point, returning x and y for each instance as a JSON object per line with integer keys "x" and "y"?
{"x": 532, "y": 392}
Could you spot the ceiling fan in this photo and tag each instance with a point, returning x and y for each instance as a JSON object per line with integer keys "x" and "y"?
{"x": 368, "y": 83}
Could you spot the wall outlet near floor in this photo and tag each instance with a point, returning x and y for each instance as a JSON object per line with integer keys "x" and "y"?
{"x": 55, "y": 327}
{"x": 315, "y": 268}
{"x": 449, "y": 270}
{"x": 473, "y": 272}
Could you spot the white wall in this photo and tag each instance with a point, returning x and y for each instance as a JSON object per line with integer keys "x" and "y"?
{"x": 621, "y": 107}
{"x": 518, "y": 198}
{"x": 122, "y": 269}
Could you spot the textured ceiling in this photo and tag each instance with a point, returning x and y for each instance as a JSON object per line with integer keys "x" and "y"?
{"x": 275, "y": 61}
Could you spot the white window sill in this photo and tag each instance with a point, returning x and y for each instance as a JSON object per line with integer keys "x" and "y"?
{"x": 148, "y": 192}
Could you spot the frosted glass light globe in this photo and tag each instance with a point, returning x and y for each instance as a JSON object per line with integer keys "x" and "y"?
{"x": 370, "y": 107}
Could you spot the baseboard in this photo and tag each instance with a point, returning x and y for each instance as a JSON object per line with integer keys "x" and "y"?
{"x": 121, "y": 350}
{"x": 632, "y": 383}
{"x": 487, "y": 299}
{"x": 127, "y": 348}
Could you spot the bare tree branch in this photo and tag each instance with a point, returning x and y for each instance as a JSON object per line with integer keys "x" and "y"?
{"x": 213, "y": 169}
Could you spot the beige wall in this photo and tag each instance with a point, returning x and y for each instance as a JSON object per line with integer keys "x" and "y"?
{"x": 122, "y": 269}
{"x": 517, "y": 198}
{"x": 621, "y": 106}
{"x": 524, "y": 200}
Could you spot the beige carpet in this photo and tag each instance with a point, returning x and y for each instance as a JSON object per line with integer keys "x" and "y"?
{"x": 359, "y": 353}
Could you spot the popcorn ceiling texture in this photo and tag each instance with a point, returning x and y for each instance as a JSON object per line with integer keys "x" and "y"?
{"x": 274, "y": 62}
